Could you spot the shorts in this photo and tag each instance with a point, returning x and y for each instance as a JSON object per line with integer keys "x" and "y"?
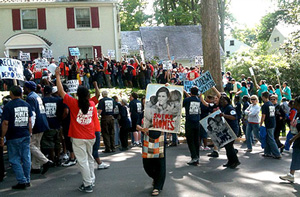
{"x": 295, "y": 165}
{"x": 51, "y": 139}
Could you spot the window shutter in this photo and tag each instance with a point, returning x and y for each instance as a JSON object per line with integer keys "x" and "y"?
{"x": 95, "y": 17}
{"x": 70, "y": 18}
{"x": 42, "y": 18}
{"x": 99, "y": 52}
{"x": 16, "y": 19}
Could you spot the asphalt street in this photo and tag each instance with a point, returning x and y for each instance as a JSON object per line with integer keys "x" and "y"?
{"x": 256, "y": 176}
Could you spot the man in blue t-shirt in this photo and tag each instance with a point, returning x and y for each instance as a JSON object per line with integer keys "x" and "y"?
{"x": 192, "y": 107}
{"x": 40, "y": 125}
{"x": 106, "y": 110}
{"x": 268, "y": 117}
{"x": 51, "y": 138}
{"x": 16, "y": 126}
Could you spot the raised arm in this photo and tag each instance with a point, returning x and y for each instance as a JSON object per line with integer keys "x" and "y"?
{"x": 216, "y": 91}
{"x": 59, "y": 85}
{"x": 97, "y": 92}
{"x": 203, "y": 101}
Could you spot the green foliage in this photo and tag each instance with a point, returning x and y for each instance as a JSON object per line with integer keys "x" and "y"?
{"x": 246, "y": 35}
{"x": 132, "y": 15}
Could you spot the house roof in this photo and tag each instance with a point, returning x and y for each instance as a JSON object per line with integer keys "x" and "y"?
{"x": 44, "y": 39}
{"x": 287, "y": 29}
{"x": 129, "y": 39}
{"x": 185, "y": 42}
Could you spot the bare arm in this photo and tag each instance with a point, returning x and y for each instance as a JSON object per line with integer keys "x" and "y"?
{"x": 59, "y": 85}
{"x": 97, "y": 92}
{"x": 139, "y": 128}
{"x": 4, "y": 130}
{"x": 30, "y": 126}
{"x": 136, "y": 60}
{"x": 263, "y": 116}
{"x": 203, "y": 101}
{"x": 186, "y": 94}
{"x": 216, "y": 91}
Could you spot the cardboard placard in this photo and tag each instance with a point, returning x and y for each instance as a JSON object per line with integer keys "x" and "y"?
{"x": 124, "y": 49}
{"x": 11, "y": 69}
{"x": 218, "y": 129}
{"x": 163, "y": 112}
{"x": 142, "y": 56}
{"x": 139, "y": 41}
{"x": 24, "y": 56}
{"x": 167, "y": 65}
{"x": 41, "y": 63}
{"x": 47, "y": 53}
{"x": 74, "y": 51}
{"x": 72, "y": 85}
{"x": 251, "y": 71}
{"x": 204, "y": 82}
{"x": 111, "y": 53}
{"x": 188, "y": 85}
{"x": 199, "y": 60}
{"x": 182, "y": 76}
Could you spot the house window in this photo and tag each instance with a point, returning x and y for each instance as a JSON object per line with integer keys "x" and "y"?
{"x": 231, "y": 42}
{"x": 29, "y": 19}
{"x": 276, "y": 39}
{"x": 227, "y": 53}
{"x": 86, "y": 52}
{"x": 83, "y": 17}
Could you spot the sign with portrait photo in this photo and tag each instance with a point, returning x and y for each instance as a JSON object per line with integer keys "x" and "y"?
{"x": 163, "y": 108}
{"x": 218, "y": 129}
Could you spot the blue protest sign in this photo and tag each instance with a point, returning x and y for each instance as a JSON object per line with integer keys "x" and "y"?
{"x": 188, "y": 85}
{"x": 74, "y": 51}
{"x": 204, "y": 82}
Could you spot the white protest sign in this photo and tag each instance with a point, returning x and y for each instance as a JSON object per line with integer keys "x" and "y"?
{"x": 5, "y": 54}
{"x": 11, "y": 69}
{"x": 124, "y": 49}
{"x": 72, "y": 85}
{"x": 74, "y": 51}
{"x": 52, "y": 68}
{"x": 142, "y": 56}
{"x": 199, "y": 60}
{"x": 167, "y": 41}
{"x": 139, "y": 41}
{"x": 277, "y": 72}
{"x": 204, "y": 82}
{"x": 24, "y": 56}
{"x": 111, "y": 53}
{"x": 167, "y": 65}
{"x": 251, "y": 71}
{"x": 218, "y": 129}
{"x": 96, "y": 53}
{"x": 41, "y": 63}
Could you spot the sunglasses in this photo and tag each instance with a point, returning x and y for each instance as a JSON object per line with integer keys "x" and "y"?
{"x": 272, "y": 99}
{"x": 253, "y": 99}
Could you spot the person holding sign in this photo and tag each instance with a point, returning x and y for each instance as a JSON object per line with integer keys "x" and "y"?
{"x": 83, "y": 114}
{"x": 236, "y": 87}
{"x": 286, "y": 92}
{"x": 192, "y": 124}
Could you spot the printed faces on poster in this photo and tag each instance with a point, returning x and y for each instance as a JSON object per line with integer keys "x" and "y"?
{"x": 163, "y": 108}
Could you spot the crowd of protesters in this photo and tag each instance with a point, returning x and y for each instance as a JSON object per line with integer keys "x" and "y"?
{"x": 53, "y": 128}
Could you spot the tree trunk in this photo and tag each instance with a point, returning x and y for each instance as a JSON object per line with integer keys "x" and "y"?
{"x": 221, "y": 6}
{"x": 210, "y": 40}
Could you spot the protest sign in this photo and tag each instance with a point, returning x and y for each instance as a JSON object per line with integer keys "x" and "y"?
{"x": 277, "y": 72}
{"x": 95, "y": 53}
{"x": 11, "y": 69}
{"x": 47, "y": 53}
{"x": 163, "y": 108}
{"x": 142, "y": 56}
{"x": 41, "y": 63}
{"x": 167, "y": 65}
{"x": 251, "y": 71}
{"x": 52, "y": 68}
{"x": 218, "y": 129}
{"x": 139, "y": 41}
{"x": 5, "y": 54}
{"x": 199, "y": 60}
{"x": 182, "y": 76}
{"x": 24, "y": 56}
{"x": 72, "y": 85}
{"x": 111, "y": 53}
{"x": 204, "y": 82}
{"x": 188, "y": 85}
{"x": 74, "y": 51}
{"x": 124, "y": 49}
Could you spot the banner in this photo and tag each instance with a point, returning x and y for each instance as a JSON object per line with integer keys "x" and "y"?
{"x": 74, "y": 51}
{"x": 24, "y": 56}
{"x": 204, "y": 82}
{"x": 41, "y": 63}
{"x": 111, "y": 53}
{"x": 188, "y": 85}
{"x": 163, "y": 108}
{"x": 11, "y": 69}
{"x": 199, "y": 60}
{"x": 218, "y": 129}
{"x": 72, "y": 85}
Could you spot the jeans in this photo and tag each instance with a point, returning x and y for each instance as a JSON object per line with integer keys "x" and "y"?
{"x": 96, "y": 145}
{"x": 19, "y": 157}
{"x": 271, "y": 147}
{"x": 120, "y": 81}
{"x": 86, "y": 82}
{"x": 192, "y": 133}
{"x": 249, "y": 135}
{"x": 83, "y": 152}
{"x": 117, "y": 132}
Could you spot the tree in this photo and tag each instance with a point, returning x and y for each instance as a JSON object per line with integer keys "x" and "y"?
{"x": 210, "y": 40}
{"x": 132, "y": 14}
{"x": 246, "y": 35}
{"x": 177, "y": 12}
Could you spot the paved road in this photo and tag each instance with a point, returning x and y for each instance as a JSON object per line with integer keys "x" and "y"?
{"x": 256, "y": 176}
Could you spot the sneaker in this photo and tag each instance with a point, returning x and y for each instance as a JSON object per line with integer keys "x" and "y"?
{"x": 68, "y": 163}
{"x": 193, "y": 162}
{"x": 87, "y": 189}
{"x": 206, "y": 148}
{"x": 201, "y": 148}
{"x": 249, "y": 150}
{"x": 65, "y": 157}
{"x": 213, "y": 154}
{"x": 277, "y": 157}
{"x": 287, "y": 177}
{"x": 19, "y": 186}
{"x": 46, "y": 166}
{"x": 103, "y": 166}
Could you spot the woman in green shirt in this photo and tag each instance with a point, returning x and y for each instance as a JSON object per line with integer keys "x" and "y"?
{"x": 262, "y": 88}
{"x": 278, "y": 92}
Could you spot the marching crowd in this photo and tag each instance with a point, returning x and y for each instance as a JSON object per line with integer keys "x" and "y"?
{"x": 50, "y": 127}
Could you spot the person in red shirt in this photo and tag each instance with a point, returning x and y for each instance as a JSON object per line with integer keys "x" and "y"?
{"x": 83, "y": 116}
{"x": 106, "y": 72}
{"x": 134, "y": 74}
{"x": 38, "y": 73}
{"x": 193, "y": 74}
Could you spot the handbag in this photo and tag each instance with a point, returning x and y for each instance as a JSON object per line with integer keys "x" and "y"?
{"x": 153, "y": 148}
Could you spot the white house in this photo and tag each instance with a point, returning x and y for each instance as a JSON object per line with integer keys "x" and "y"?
{"x": 280, "y": 34}
{"x": 33, "y": 25}
{"x": 233, "y": 45}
